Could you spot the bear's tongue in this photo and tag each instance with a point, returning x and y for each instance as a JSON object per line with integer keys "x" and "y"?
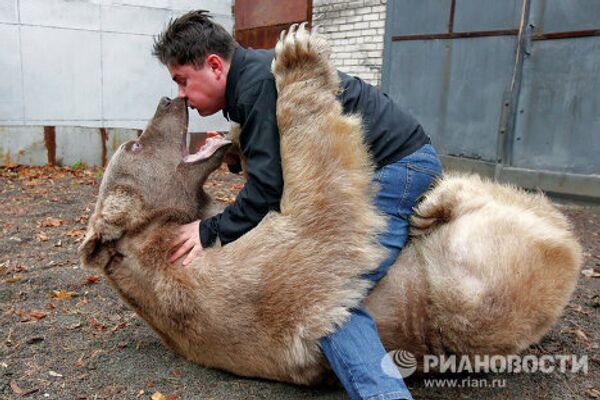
{"x": 211, "y": 143}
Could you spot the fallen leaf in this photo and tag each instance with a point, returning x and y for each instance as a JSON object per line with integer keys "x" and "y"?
{"x": 14, "y": 279}
{"x": 75, "y": 233}
{"x": 42, "y": 237}
{"x": 579, "y": 309}
{"x": 91, "y": 279}
{"x": 94, "y": 323}
{"x": 225, "y": 199}
{"x": 593, "y": 392}
{"x": 27, "y": 316}
{"x": 590, "y": 273}
{"x": 119, "y": 326}
{"x": 17, "y": 390}
{"x": 63, "y": 294}
{"x": 74, "y": 326}
{"x": 580, "y": 334}
{"x": 52, "y": 222}
{"x": 54, "y": 374}
{"x": 94, "y": 353}
{"x": 158, "y": 396}
{"x": 37, "y": 314}
{"x": 82, "y": 302}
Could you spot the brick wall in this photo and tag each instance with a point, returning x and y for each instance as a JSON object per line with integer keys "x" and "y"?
{"x": 355, "y": 30}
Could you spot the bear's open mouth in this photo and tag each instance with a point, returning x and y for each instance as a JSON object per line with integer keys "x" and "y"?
{"x": 207, "y": 147}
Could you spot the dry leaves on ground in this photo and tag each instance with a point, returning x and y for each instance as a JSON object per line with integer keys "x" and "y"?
{"x": 52, "y": 222}
{"x": 63, "y": 294}
{"x": 590, "y": 273}
{"x": 33, "y": 315}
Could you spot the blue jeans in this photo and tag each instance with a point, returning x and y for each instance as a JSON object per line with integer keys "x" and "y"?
{"x": 355, "y": 351}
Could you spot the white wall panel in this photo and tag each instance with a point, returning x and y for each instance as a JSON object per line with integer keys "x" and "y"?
{"x": 88, "y": 62}
{"x": 144, "y": 3}
{"x": 11, "y": 84}
{"x": 134, "y": 80}
{"x": 214, "y": 6}
{"x": 61, "y": 13}
{"x": 61, "y": 71}
{"x": 75, "y": 144}
{"x": 132, "y": 19}
{"x": 24, "y": 145}
{"x": 8, "y": 11}
{"x": 225, "y": 21}
{"x": 215, "y": 122}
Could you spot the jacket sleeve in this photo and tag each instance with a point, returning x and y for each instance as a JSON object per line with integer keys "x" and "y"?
{"x": 259, "y": 142}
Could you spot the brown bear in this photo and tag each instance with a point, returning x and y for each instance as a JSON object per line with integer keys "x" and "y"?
{"x": 488, "y": 270}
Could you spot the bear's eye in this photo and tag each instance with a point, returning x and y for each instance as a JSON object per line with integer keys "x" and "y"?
{"x": 136, "y": 146}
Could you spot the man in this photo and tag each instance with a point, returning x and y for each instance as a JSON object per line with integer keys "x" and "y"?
{"x": 215, "y": 74}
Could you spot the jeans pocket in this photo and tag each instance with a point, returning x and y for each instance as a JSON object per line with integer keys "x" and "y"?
{"x": 430, "y": 167}
{"x": 419, "y": 178}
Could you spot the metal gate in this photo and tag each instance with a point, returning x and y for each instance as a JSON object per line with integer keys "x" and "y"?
{"x": 509, "y": 89}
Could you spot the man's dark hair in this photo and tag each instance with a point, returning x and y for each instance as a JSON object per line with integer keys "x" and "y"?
{"x": 190, "y": 38}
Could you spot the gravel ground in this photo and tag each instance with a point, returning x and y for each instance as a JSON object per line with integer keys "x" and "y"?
{"x": 65, "y": 335}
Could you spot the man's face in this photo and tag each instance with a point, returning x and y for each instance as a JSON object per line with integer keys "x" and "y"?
{"x": 203, "y": 87}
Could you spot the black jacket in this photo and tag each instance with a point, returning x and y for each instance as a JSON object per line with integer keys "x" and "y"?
{"x": 251, "y": 96}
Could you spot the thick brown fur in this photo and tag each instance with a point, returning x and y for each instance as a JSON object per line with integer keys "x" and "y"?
{"x": 490, "y": 267}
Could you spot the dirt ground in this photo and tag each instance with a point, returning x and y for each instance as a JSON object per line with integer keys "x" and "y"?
{"x": 65, "y": 335}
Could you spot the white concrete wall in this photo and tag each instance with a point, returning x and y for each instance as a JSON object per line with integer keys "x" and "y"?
{"x": 355, "y": 30}
{"x": 89, "y": 62}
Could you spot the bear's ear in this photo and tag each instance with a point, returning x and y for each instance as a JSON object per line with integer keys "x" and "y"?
{"x": 117, "y": 212}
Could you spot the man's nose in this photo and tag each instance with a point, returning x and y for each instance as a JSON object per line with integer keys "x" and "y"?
{"x": 182, "y": 93}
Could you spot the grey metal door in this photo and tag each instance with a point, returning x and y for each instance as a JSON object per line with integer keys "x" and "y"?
{"x": 509, "y": 88}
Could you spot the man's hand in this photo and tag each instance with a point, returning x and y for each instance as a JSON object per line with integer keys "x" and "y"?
{"x": 188, "y": 240}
